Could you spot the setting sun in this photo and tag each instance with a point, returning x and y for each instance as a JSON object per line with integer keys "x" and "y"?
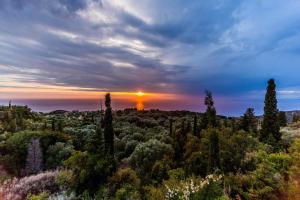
{"x": 140, "y": 94}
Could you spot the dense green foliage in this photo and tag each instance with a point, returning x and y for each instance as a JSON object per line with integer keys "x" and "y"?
{"x": 153, "y": 154}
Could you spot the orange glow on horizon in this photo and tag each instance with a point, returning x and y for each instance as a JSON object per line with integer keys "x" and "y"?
{"x": 120, "y": 99}
{"x": 40, "y": 91}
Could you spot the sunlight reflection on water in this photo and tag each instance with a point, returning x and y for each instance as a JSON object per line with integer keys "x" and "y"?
{"x": 140, "y": 103}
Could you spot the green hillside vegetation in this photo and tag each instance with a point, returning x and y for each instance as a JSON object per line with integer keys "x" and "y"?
{"x": 149, "y": 154}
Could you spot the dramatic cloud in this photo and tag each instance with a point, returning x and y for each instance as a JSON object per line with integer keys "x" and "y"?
{"x": 172, "y": 46}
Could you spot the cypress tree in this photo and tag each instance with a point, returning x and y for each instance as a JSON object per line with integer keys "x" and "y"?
{"x": 53, "y": 124}
{"x": 108, "y": 128}
{"x": 210, "y": 116}
{"x": 13, "y": 121}
{"x": 100, "y": 160}
{"x": 101, "y": 115}
{"x": 195, "y": 129}
{"x": 171, "y": 127}
{"x": 214, "y": 151}
{"x": 180, "y": 138}
{"x": 60, "y": 125}
{"x": 183, "y": 130}
{"x": 188, "y": 127}
{"x": 270, "y": 125}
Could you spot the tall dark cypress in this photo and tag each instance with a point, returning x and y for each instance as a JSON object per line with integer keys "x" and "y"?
{"x": 195, "y": 128}
{"x": 60, "y": 125}
{"x": 171, "y": 127}
{"x": 179, "y": 139}
{"x": 101, "y": 115}
{"x": 108, "y": 128}
{"x": 214, "y": 152}
{"x": 270, "y": 131}
{"x": 210, "y": 116}
{"x": 53, "y": 125}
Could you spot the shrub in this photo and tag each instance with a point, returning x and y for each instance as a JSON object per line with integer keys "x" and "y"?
{"x": 126, "y": 193}
{"x": 194, "y": 188}
{"x": 19, "y": 189}
{"x": 159, "y": 171}
{"x": 146, "y": 154}
{"x": 153, "y": 193}
{"x": 57, "y": 153}
{"x": 125, "y": 179}
{"x": 41, "y": 196}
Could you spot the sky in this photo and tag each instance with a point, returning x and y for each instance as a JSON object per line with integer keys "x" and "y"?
{"x": 172, "y": 50}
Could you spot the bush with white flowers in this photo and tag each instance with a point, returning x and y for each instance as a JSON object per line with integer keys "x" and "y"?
{"x": 185, "y": 189}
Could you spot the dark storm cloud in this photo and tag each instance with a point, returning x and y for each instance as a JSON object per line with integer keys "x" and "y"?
{"x": 53, "y": 5}
{"x": 68, "y": 55}
{"x": 230, "y": 47}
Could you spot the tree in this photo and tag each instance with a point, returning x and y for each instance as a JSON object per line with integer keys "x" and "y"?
{"x": 171, "y": 127}
{"x": 108, "y": 128}
{"x": 210, "y": 116}
{"x": 195, "y": 128}
{"x": 296, "y": 118}
{"x": 233, "y": 125}
{"x": 96, "y": 142}
{"x": 34, "y": 159}
{"x": 234, "y": 148}
{"x": 97, "y": 163}
{"x": 214, "y": 151}
{"x": 249, "y": 122}
{"x": 15, "y": 151}
{"x": 195, "y": 159}
{"x": 124, "y": 179}
{"x": 270, "y": 125}
{"x": 56, "y": 154}
{"x": 53, "y": 124}
{"x": 282, "y": 119}
{"x": 45, "y": 125}
{"x": 60, "y": 125}
{"x": 88, "y": 172}
{"x": 13, "y": 125}
{"x": 179, "y": 140}
{"x": 159, "y": 171}
{"x": 101, "y": 115}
